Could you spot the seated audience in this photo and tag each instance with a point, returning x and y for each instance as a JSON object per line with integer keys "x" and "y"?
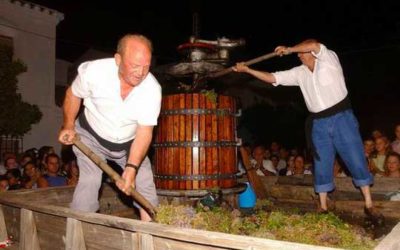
{"x": 392, "y": 165}
{"x": 378, "y": 159}
{"x": 52, "y": 176}
{"x": 73, "y": 174}
{"x": 14, "y": 179}
{"x": 33, "y": 177}
{"x": 263, "y": 166}
{"x": 3, "y": 183}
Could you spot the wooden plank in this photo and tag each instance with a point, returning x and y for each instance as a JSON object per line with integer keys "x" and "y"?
{"x": 189, "y": 125}
{"x": 28, "y": 239}
{"x": 169, "y": 169}
{"x": 163, "y": 243}
{"x": 214, "y": 137}
{"x": 170, "y": 232}
{"x": 145, "y": 241}
{"x": 202, "y": 138}
{"x": 74, "y": 238}
{"x": 3, "y": 228}
{"x": 182, "y": 150}
{"x": 391, "y": 241}
{"x": 51, "y": 230}
{"x": 132, "y": 244}
{"x": 195, "y": 137}
{"x": 175, "y": 129}
{"x": 12, "y": 217}
{"x": 104, "y": 237}
{"x": 209, "y": 138}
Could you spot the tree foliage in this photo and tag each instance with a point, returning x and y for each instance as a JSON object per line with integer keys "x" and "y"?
{"x": 16, "y": 116}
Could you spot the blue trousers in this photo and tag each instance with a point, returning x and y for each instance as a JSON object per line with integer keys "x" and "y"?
{"x": 338, "y": 134}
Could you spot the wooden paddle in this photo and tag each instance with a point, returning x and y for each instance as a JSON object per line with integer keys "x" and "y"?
{"x": 113, "y": 175}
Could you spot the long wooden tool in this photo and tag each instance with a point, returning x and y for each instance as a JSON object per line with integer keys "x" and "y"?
{"x": 247, "y": 63}
{"x": 254, "y": 179}
{"x": 113, "y": 175}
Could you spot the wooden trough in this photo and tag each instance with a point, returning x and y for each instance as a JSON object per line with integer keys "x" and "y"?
{"x": 41, "y": 219}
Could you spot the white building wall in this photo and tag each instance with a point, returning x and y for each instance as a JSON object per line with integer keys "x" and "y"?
{"x": 33, "y": 30}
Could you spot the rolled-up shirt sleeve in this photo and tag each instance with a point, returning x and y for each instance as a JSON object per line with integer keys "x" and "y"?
{"x": 287, "y": 77}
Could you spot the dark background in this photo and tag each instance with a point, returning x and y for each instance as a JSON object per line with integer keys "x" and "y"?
{"x": 365, "y": 35}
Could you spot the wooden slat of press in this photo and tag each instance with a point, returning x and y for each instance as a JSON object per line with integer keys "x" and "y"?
{"x": 195, "y": 137}
{"x": 170, "y": 138}
{"x": 208, "y": 138}
{"x": 222, "y": 129}
{"x": 202, "y": 167}
{"x": 164, "y": 150}
{"x": 176, "y": 130}
{"x": 189, "y": 133}
{"x": 231, "y": 165}
{"x": 182, "y": 150}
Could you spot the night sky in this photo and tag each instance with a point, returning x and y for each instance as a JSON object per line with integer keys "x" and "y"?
{"x": 365, "y": 35}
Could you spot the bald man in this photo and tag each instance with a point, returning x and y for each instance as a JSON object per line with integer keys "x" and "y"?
{"x": 122, "y": 102}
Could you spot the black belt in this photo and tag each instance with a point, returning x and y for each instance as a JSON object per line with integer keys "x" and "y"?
{"x": 337, "y": 108}
{"x": 103, "y": 142}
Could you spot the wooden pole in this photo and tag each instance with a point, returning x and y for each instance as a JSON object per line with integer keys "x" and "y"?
{"x": 247, "y": 63}
{"x": 112, "y": 174}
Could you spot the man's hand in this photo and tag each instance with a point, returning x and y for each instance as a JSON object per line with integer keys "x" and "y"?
{"x": 240, "y": 67}
{"x": 128, "y": 177}
{"x": 283, "y": 50}
{"x": 66, "y": 136}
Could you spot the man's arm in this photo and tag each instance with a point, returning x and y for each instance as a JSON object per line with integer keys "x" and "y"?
{"x": 71, "y": 107}
{"x": 262, "y": 75}
{"x": 138, "y": 151}
{"x": 310, "y": 45}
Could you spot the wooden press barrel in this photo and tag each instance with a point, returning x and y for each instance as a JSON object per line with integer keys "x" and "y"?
{"x": 195, "y": 143}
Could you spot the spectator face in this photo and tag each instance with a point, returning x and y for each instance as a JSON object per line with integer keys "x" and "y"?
{"x": 259, "y": 153}
{"x": 299, "y": 164}
{"x": 30, "y": 170}
{"x": 25, "y": 160}
{"x": 11, "y": 179}
{"x": 275, "y": 161}
{"x": 74, "y": 170}
{"x": 3, "y": 185}
{"x": 11, "y": 163}
{"x": 290, "y": 162}
{"x": 380, "y": 144}
{"x": 369, "y": 146}
{"x": 53, "y": 165}
{"x": 393, "y": 164}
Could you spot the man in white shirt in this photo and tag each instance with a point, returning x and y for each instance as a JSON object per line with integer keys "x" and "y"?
{"x": 332, "y": 125}
{"x": 121, "y": 105}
